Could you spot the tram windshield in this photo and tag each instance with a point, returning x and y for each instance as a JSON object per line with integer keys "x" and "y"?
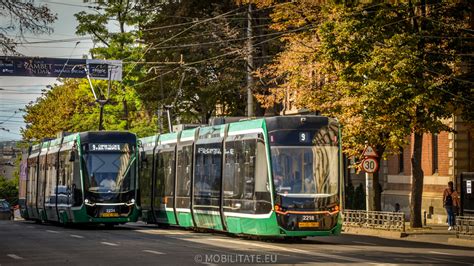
{"x": 109, "y": 171}
{"x": 306, "y": 170}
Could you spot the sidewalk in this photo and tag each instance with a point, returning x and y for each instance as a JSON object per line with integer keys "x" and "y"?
{"x": 432, "y": 233}
{"x": 437, "y": 233}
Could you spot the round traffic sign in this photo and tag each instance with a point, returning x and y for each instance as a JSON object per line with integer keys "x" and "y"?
{"x": 370, "y": 165}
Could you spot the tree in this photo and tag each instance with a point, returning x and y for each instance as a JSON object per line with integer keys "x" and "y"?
{"x": 116, "y": 43}
{"x": 70, "y": 107}
{"x": 195, "y": 47}
{"x": 196, "y": 57}
{"x": 375, "y": 67}
{"x": 9, "y": 190}
{"x": 22, "y": 17}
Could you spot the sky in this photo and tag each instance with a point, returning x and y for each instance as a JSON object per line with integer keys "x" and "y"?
{"x": 16, "y": 92}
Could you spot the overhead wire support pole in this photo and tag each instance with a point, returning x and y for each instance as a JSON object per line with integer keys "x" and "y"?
{"x": 250, "y": 81}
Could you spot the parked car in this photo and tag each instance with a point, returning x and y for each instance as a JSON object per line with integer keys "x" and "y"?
{"x": 6, "y": 213}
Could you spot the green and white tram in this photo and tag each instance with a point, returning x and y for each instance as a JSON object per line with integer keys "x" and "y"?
{"x": 88, "y": 177}
{"x": 276, "y": 177}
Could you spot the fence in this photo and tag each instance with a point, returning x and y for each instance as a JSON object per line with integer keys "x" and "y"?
{"x": 465, "y": 227}
{"x": 392, "y": 221}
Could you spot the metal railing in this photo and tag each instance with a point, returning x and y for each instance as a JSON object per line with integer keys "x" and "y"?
{"x": 465, "y": 226}
{"x": 392, "y": 221}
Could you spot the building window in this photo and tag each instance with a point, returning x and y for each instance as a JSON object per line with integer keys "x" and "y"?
{"x": 401, "y": 165}
{"x": 434, "y": 140}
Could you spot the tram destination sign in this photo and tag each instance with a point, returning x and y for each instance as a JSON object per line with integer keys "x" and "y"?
{"x": 106, "y": 147}
{"x": 60, "y": 67}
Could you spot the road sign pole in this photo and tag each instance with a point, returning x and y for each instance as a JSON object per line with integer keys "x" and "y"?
{"x": 369, "y": 191}
{"x": 369, "y": 165}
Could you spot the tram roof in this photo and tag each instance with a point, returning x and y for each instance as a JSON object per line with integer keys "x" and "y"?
{"x": 149, "y": 139}
{"x": 246, "y": 125}
{"x": 297, "y": 122}
{"x": 168, "y": 137}
{"x": 107, "y": 136}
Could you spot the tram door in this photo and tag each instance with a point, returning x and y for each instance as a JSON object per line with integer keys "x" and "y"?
{"x": 32, "y": 185}
{"x": 207, "y": 181}
{"x": 183, "y": 183}
{"x": 146, "y": 182}
{"x": 163, "y": 205}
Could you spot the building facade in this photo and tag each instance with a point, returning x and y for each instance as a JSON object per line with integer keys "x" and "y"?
{"x": 444, "y": 157}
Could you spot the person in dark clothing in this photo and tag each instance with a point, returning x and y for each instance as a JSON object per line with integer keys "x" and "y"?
{"x": 451, "y": 204}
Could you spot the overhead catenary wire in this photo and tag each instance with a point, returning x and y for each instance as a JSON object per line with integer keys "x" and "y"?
{"x": 219, "y": 56}
{"x": 176, "y": 35}
{"x": 73, "y": 5}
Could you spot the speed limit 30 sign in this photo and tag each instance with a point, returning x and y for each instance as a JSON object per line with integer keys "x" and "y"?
{"x": 370, "y": 165}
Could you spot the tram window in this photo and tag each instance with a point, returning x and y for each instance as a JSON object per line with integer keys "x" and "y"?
{"x": 159, "y": 181}
{"x": 41, "y": 180}
{"x": 75, "y": 175}
{"x": 165, "y": 172}
{"x": 184, "y": 174}
{"x": 51, "y": 181}
{"x": 208, "y": 170}
{"x": 245, "y": 184}
{"x": 229, "y": 176}
{"x": 249, "y": 149}
{"x": 32, "y": 184}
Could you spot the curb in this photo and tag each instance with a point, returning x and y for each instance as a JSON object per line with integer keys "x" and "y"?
{"x": 374, "y": 232}
{"x": 461, "y": 242}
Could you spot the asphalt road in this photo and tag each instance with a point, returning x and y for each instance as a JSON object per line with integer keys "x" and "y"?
{"x": 27, "y": 243}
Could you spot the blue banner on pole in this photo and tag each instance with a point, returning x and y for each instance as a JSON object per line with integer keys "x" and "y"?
{"x": 60, "y": 67}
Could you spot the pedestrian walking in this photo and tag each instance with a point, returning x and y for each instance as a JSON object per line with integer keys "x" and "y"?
{"x": 451, "y": 204}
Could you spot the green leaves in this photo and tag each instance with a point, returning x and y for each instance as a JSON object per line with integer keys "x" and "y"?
{"x": 369, "y": 67}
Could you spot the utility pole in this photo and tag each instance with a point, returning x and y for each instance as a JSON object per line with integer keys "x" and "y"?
{"x": 160, "y": 109}
{"x": 250, "y": 81}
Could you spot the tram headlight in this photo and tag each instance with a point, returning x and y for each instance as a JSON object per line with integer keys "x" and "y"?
{"x": 131, "y": 202}
{"x": 88, "y": 202}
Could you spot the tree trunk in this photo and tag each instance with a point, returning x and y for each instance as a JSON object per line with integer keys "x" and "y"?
{"x": 417, "y": 182}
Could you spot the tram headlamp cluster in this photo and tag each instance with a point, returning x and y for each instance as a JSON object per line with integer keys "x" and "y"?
{"x": 131, "y": 202}
{"x": 334, "y": 208}
{"x": 88, "y": 202}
